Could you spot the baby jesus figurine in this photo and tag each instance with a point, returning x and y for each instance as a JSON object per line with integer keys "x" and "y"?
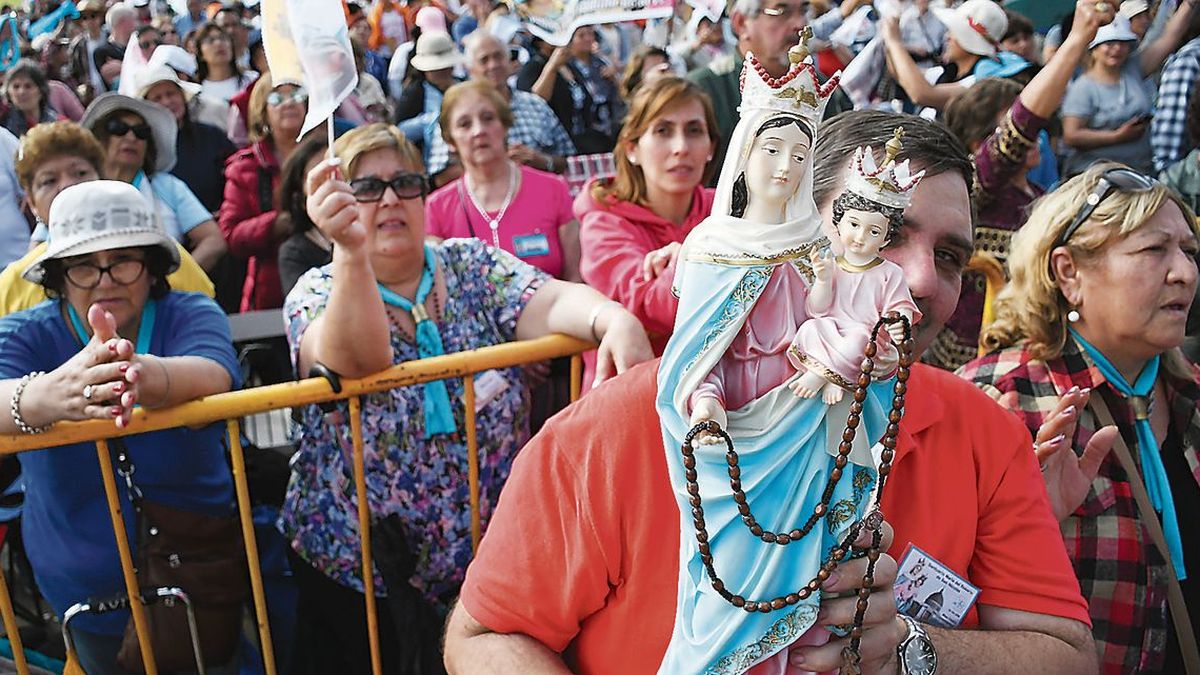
{"x": 853, "y": 290}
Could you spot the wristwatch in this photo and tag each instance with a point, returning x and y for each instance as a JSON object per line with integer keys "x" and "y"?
{"x": 915, "y": 653}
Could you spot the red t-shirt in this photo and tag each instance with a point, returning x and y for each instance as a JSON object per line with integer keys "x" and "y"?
{"x": 582, "y": 552}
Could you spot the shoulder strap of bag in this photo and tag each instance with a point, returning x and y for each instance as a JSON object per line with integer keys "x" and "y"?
{"x": 1179, "y": 612}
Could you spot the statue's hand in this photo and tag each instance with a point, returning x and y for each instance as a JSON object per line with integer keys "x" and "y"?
{"x": 708, "y": 409}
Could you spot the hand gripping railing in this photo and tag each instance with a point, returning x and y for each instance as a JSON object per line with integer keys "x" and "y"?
{"x": 231, "y": 407}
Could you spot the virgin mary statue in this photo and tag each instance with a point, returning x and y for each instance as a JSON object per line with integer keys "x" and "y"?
{"x": 742, "y": 279}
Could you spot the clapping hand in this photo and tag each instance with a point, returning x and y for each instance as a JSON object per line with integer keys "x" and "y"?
{"x": 1069, "y": 476}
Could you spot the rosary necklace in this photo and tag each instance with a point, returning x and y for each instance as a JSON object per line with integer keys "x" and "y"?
{"x": 494, "y": 223}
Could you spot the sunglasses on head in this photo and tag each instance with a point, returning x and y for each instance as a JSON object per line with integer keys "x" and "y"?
{"x": 1123, "y": 179}
{"x": 115, "y": 127}
{"x": 276, "y": 98}
{"x": 405, "y": 185}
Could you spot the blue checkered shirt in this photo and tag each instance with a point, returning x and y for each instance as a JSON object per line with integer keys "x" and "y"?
{"x": 534, "y": 125}
{"x": 1168, "y": 131}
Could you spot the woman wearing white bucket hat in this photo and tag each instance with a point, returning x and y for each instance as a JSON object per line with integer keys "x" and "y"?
{"x": 431, "y": 74}
{"x": 205, "y": 146}
{"x": 112, "y": 336}
{"x": 139, "y": 147}
{"x": 1107, "y": 110}
{"x": 973, "y": 33}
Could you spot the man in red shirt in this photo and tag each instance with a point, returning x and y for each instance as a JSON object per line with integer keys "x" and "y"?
{"x": 579, "y": 567}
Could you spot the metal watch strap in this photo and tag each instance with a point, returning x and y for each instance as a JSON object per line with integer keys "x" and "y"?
{"x": 915, "y": 632}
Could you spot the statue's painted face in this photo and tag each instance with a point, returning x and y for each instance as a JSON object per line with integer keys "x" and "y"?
{"x": 775, "y": 164}
{"x": 863, "y": 233}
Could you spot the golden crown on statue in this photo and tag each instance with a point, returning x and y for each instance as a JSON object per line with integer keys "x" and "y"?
{"x": 886, "y": 183}
{"x": 799, "y": 92}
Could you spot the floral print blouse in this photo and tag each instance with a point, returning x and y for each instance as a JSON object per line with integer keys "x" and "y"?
{"x": 422, "y": 480}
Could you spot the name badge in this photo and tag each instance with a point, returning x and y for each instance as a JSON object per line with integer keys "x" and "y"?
{"x": 930, "y": 592}
{"x": 488, "y": 385}
{"x": 531, "y": 245}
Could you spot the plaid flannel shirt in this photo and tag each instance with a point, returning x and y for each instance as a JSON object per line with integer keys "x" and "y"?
{"x": 534, "y": 125}
{"x": 1168, "y": 130}
{"x": 1121, "y": 573}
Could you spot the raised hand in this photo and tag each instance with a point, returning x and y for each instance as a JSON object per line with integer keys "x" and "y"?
{"x": 1069, "y": 476}
{"x": 332, "y": 207}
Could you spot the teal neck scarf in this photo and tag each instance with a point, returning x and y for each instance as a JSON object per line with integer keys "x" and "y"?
{"x": 439, "y": 419}
{"x": 145, "y": 326}
{"x": 1155, "y": 474}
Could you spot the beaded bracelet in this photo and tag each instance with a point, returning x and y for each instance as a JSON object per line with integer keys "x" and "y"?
{"x": 15, "y": 405}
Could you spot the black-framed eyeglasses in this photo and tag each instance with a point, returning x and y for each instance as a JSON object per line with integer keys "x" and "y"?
{"x": 123, "y": 272}
{"x": 1118, "y": 178}
{"x": 405, "y": 185}
{"x": 116, "y": 127}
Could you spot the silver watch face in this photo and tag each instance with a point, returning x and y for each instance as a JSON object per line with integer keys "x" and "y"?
{"x": 919, "y": 657}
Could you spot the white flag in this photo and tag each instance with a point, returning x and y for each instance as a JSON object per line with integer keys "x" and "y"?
{"x": 308, "y": 42}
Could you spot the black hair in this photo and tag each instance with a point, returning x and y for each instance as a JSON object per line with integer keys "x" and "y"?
{"x": 27, "y": 67}
{"x": 849, "y": 201}
{"x": 158, "y": 261}
{"x": 740, "y": 198}
{"x": 1018, "y": 25}
{"x": 290, "y": 198}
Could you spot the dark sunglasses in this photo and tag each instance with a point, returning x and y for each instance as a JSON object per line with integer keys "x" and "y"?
{"x": 405, "y": 185}
{"x": 1113, "y": 179}
{"x": 120, "y": 128}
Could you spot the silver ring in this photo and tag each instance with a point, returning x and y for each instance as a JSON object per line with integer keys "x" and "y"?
{"x": 1103, "y": 7}
{"x": 87, "y": 392}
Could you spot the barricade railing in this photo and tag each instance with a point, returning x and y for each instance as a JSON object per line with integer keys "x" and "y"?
{"x": 231, "y": 407}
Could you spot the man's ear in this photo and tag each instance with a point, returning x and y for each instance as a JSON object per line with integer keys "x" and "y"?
{"x": 737, "y": 22}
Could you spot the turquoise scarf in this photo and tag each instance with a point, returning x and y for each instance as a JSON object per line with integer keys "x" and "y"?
{"x": 438, "y": 417}
{"x": 145, "y": 326}
{"x": 1157, "y": 485}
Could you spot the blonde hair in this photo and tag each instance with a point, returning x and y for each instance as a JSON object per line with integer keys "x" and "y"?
{"x": 379, "y": 136}
{"x": 650, "y": 102}
{"x": 456, "y": 93}
{"x": 256, "y": 110}
{"x": 1031, "y": 309}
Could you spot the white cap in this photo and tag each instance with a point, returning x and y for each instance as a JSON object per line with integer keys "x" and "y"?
{"x": 1118, "y": 30}
{"x": 976, "y": 25}
{"x": 1131, "y": 8}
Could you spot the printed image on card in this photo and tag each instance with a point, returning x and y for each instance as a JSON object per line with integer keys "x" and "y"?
{"x": 930, "y": 592}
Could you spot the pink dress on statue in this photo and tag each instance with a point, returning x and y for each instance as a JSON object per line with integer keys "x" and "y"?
{"x": 757, "y": 360}
{"x": 832, "y": 342}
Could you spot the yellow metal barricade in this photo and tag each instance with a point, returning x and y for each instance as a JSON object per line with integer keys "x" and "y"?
{"x": 232, "y": 407}
{"x": 993, "y": 272}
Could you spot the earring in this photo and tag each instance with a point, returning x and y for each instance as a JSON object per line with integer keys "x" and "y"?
{"x": 1073, "y": 315}
{"x": 633, "y": 160}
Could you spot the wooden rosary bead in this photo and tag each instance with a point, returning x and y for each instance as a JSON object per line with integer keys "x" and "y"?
{"x": 756, "y": 530}
{"x": 856, "y": 632}
{"x": 694, "y": 500}
{"x": 718, "y": 585}
{"x": 693, "y": 489}
{"x": 737, "y": 601}
{"x": 839, "y": 462}
{"x": 689, "y": 461}
{"x": 768, "y": 537}
{"x": 864, "y": 380}
{"x": 813, "y": 586}
{"x": 735, "y": 486}
{"x": 743, "y": 508}
{"x": 902, "y": 374}
{"x": 866, "y": 367}
{"x": 764, "y": 607}
{"x": 690, "y": 474}
{"x": 864, "y": 593}
{"x": 871, "y": 350}
{"x": 731, "y": 458}
{"x": 750, "y": 606}
{"x": 778, "y": 603}
{"x": 823, "y": 574}
{"x": 852, "y": 423}
{"x": 893, "y": 429}
{"x": 820, "y": 510}
{"x": 894, "y": 417}
{"x": 803, "y": 593}
{"x": 783, "y": 539}
{"x": 900, "y": 389}
{"x": 792, "y": 598}
{"x": 856, "y": 407}
{"x": 703, "y": 546}
{"x": 735, "y": 472}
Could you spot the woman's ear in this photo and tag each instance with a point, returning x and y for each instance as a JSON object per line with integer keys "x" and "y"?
{"x": 1066, "y": 274}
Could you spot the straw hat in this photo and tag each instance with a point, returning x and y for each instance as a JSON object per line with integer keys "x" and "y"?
{"x": 976, "y": 25}
{"x": 435, "y": 51}
{"x": 161, "y": 121}
{"x": 100, "y": 215}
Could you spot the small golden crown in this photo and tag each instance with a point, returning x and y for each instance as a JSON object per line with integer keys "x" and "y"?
{"x": 889, "y": 183}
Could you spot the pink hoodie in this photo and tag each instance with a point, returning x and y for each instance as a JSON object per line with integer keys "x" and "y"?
{"x": 615, "y": 237}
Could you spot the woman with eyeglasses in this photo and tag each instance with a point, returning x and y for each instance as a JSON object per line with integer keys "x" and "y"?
{"x": 139, "y": 148}
{"x": 1087, "y": 334}
{"x": 113, "y": 335}
{"x": 218, "y": 72}
{"x": 249, "y": 219}
{"x": 167, "y": 34}
{"x": 389, "y": 297}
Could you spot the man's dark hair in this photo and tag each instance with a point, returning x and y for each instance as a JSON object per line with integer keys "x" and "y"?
{"x": 929, "y": 145}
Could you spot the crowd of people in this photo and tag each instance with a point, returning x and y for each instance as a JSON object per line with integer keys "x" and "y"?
{"x": 487, "y": 186}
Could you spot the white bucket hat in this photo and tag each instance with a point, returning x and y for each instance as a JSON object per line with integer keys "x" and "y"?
{"x": 155, "y": 74}
{"x": 436, "y": 51}
{"x": 177, "y": 58}
{"x": 976, "y": 25}
{"x": 161, "y": 121}
{"x": 100, "y": 215}
{"x": 1118, "y": 30}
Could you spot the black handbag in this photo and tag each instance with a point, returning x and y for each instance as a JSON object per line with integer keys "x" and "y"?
{"x": 202, "y": 555}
